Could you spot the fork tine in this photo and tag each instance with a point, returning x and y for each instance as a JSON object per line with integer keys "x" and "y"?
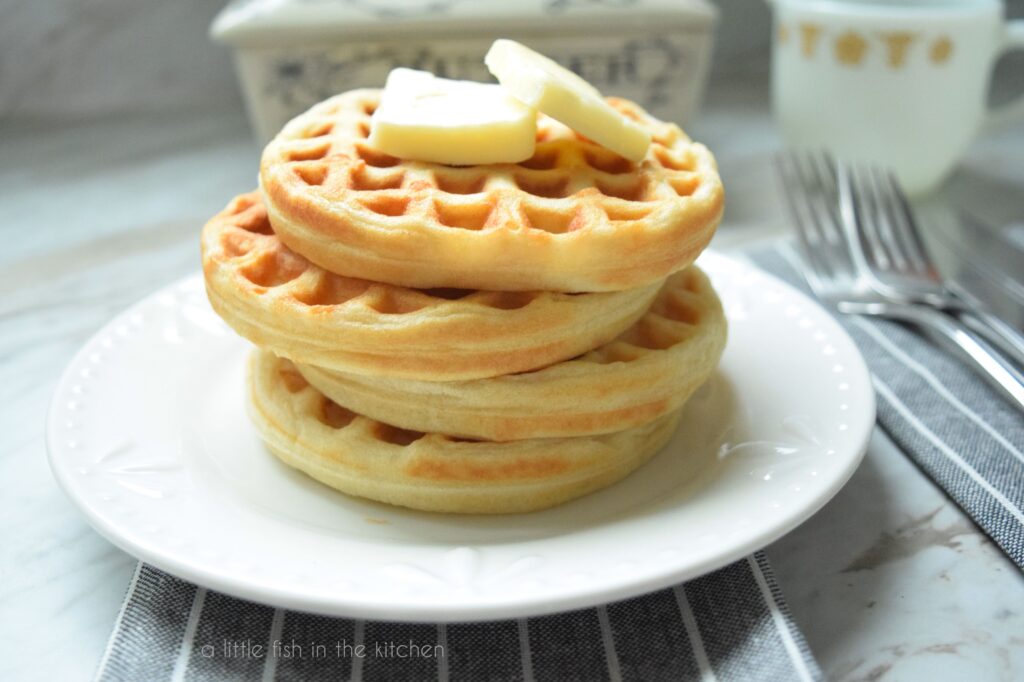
{"x": 796, "y": 201}
{"x": 820, "y": 169}
{"x": 825, "y": 173}
{"x": 816, "y": 192}
{"x": 814, "y": 214}
{"x": 871, "y": 222}
{"x": 800, "y": 211}
{"x": 857, "y": 222}
{"x": 907, "y": 233}
{"x": 890, "y": 218}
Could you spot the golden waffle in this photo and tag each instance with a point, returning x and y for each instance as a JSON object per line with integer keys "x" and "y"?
{"x": 649, "y": 370}
{"x": 278, "y": 300}
{"x": 574, "y": 217}
{"x": 367, "y": 458}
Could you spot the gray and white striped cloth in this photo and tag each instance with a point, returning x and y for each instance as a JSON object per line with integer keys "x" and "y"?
{"x": 728, "y": 625}
{"x": 956, "y": 428}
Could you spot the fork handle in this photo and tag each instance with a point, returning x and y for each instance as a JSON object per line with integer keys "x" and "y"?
{"x": 986, "y": 361}
{"x": 973, "y": 313}
{"x": 1001, "y": 335}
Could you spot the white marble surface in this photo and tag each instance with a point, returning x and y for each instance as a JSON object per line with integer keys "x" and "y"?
{"x": 889, "y": 582}
{"x": 68, "y": 58}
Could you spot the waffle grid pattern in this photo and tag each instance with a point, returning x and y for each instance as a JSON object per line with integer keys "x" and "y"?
{"x": 268, "y": 264}
{"x": 650, "y": 369}
{"x": 674, "y": 318}
{"x": 435, "y": 472}
{"x": 496, "y": 338}
{"x": 603, "y": 188}
{"x": 278, "y": 299}
{"x": 574, "y": 217}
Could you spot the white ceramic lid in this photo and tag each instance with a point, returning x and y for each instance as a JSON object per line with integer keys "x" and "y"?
{"x": 266, "y": 22}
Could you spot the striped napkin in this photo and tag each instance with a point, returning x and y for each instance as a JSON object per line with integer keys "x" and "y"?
{"x": 956, "y": 428}
{"x": 728, "y": 625}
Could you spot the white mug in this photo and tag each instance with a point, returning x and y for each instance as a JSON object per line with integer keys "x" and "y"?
{"x": 902, "y": 84}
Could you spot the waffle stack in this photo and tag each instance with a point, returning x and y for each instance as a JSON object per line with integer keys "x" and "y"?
{"x": 482, "y": 339}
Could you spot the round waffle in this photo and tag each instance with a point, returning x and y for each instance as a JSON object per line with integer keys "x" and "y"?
{"x": 368, "y": 458}
{"x": 279, "y": 300}
{"x": 574, "y": 217}
{"x": 651, "y": 369}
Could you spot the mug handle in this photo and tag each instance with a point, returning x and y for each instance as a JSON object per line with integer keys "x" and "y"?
{"x": 1012, "y": 111}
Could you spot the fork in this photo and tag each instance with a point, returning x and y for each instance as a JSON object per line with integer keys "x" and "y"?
{"x": 839, "y": 281}
{"x": 884, "y": 237}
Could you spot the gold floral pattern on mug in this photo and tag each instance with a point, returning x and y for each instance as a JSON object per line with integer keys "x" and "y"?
{"x": 809, "y": 34}
{"x": 851, "y": 47}
{"x": 896, "y": 45}
{"x": 941, "y": 50}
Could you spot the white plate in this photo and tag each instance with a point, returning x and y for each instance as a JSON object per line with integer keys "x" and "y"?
{"x": 148, "y": 436}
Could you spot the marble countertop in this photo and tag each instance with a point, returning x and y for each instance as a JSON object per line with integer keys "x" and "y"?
{"x": 889, "y": 581}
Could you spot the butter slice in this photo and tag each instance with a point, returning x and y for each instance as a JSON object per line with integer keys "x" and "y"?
{"x": 539, "y": 82}
{"x": 425, "y": 118}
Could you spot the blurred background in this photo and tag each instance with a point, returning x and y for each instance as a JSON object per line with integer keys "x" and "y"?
{"x": 111, "y": 98}
{"x": 67, "y": 59}
{"x": 72, "y": 58}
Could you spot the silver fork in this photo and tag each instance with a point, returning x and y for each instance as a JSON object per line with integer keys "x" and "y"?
{"x": 840, "y": 283}
{"x": 880, "y": 228}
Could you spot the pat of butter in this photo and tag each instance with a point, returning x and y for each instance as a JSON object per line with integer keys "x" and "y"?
{"x": 425, "y": 118}
{"x": 542, "y": 84}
